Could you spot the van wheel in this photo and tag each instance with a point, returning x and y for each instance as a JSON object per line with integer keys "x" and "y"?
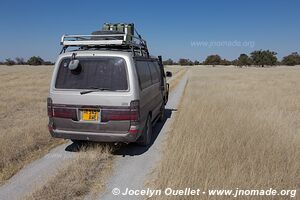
{"x": 162, "y": 114}
{"x": 145, "y": 138}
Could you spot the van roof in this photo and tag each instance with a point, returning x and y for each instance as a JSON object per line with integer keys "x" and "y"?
{"x": 91, "y": 52}
{"x": 104, "y": 52}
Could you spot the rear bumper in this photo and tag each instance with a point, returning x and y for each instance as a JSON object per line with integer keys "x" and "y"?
{"x": 125, "y": 137}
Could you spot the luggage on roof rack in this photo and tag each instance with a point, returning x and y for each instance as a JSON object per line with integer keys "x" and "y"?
{"x": 120, "y": 27}
{"x": 119, "y": 36}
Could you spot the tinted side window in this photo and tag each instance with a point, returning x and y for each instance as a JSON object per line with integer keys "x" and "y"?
{"x": 143, "y": 71}
{"x": 154, "y": 72}
{"x": 161, "y": 72}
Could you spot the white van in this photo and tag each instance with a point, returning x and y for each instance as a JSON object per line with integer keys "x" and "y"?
{"x": 108, "y": 89}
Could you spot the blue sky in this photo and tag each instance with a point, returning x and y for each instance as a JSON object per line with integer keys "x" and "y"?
{"x": 34, "y": 27}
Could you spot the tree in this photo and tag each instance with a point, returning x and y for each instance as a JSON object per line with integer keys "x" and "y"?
{"x": 20, "y": 61}
{"x": 35, "y": 60}
{"x": 235, "y": 62}
{"x": 212, "y": 60}
{"x": 9, "y": 62}
{"x": 197, "y": 62}
{"x": 168, "y": 62}
{"x": 183, "y": 61}
{"x": 225, "y": 62}
{"x": 291, "y": 60}
{"x": 48, "y": 63}
{"x": 243, "y": 60}
{"x": 262, "y": 58}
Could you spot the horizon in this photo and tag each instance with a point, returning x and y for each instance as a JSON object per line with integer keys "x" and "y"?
{"x": 191, "y": 30}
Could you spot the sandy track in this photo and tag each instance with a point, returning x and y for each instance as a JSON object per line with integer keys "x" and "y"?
{"x": 134, "y": 163}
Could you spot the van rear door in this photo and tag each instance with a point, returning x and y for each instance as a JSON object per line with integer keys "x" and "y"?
{"x": 95, "y": 97}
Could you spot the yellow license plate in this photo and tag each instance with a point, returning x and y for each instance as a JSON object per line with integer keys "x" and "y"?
{"x": 90, "y": 115}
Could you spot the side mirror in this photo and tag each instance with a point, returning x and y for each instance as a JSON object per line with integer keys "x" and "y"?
{"x": 169, "y": 74}
{"x": 160, "y": 61}
{"x": 73, "y": 65}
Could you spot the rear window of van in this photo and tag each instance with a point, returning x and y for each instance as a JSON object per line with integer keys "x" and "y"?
{"x": 101, "y": 72}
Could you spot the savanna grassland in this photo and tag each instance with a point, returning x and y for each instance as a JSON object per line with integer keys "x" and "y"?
{"x": 23, "y": 117}
{"x": 235, "y": 128}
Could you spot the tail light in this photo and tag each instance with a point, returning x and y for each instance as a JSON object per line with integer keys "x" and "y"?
{"x": 135, "y": 111}
{"x": 69, "y": 113}
{"x": 116, "y": 115}
{"x": 49, "y": 107}
{"x": 60, "y": 112}
{"x": 51, "y": 127}
{"x": 133, "y": 130}
{"x": 130, "y": 114}
{"x": 134, "y": 122}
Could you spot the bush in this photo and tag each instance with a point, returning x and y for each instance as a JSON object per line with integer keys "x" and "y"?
{"x": 291, "y": 60}
{"x": 235, "y": 62}
{"x": 212, "y": 60}
{"x": 197, "y": 62}
{"x": 183, "y": 61}
{"x": 262, "y": 58}
{"x": 225, "y": 62}
{"x": 35, "y": 60}
{"x": 20, "y": 61}
{"x": 243, "y": 60}
{"x": 168, "y": 62}
{"x": 48, "y": 63}
{"x": 9, "y": 62}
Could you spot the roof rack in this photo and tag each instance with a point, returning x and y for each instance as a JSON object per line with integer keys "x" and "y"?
{"x": 107, "y": 40}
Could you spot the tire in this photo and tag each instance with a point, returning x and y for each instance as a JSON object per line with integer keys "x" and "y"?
{"x": 78, "y": 142}
{"x": 145, "y": 138}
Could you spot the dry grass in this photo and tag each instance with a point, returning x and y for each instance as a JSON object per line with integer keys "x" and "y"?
{"x": 176, "y": 78}
{"x": 236, "y": 128}
{"x": 23, "y": 117}
{"x": 177, "y": 72}
{"x": 86, "y": 175}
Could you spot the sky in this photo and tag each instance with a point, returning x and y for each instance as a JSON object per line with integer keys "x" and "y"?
{"x": 173, "y": 29}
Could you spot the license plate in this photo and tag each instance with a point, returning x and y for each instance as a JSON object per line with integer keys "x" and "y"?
{"x": 90, "y": 115}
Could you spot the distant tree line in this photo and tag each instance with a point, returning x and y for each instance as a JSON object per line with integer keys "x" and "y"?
{"x": 34, "y": 60}
{"x": 260, "y": 58}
